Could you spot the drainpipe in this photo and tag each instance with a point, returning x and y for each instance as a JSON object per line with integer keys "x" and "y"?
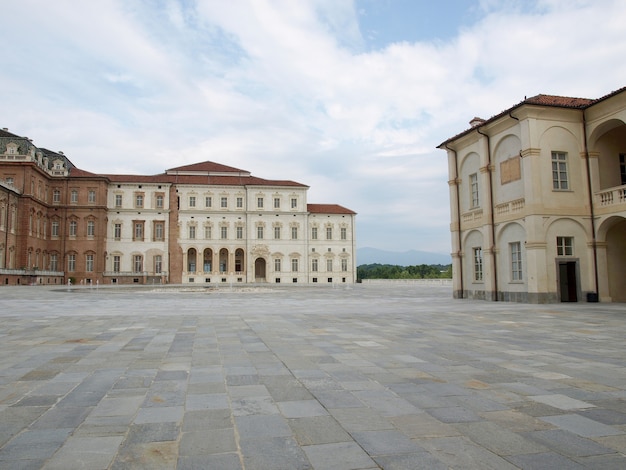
{"x": 458, "y": 216}
{"x": 492, "y": 217}
{"x": 591, "y": 210}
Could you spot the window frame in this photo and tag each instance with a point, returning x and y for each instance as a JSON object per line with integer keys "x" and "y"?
{"x": 560, "y": 171}
{"x": 515, "y": 250}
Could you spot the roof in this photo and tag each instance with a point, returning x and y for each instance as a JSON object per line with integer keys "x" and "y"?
{"x": 328, "y": 209}
{"x": 539, "y": 100}
{"x": 200, "y": 179}
{"x": 206, "y": 167}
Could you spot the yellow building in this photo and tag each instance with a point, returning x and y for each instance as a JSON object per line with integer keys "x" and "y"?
{"x": 538, "y": 202}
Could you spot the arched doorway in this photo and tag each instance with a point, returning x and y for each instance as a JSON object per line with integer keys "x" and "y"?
{"x": 259, "y": 270}
{"x": 223, "y": 260}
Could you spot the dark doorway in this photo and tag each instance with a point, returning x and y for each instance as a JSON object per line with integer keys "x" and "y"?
{"x": 259, "y": 270}
{"x": 568, "y": 282}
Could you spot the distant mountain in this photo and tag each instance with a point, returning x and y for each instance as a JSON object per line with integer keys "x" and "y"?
{"x": 368, "y": 255}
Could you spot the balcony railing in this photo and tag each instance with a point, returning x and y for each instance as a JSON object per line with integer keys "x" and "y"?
{"x": 510, "y": 207}
{"x": 31, "y": 272}
{"x": 611, "y": 196}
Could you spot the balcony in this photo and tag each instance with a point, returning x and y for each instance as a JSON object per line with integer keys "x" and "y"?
{"x": 611, "y": 197}
{"x": 510, "y": 207}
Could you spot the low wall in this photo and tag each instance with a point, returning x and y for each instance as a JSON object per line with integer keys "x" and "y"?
{"x": 413, "y": 282}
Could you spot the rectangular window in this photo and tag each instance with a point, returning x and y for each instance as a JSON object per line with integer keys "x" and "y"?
{"x": 56, "y": 196}
{"x": 91, "y": 196}
{"x": 277, "y": 265}
{"x": 118, "y": 200}
{"x": 139, "y": 200}
{"x": 116, "y": 264}
{"x": 208, "y": 201}
{"x": 344, "y": 233}
{"x": 344, "y": 265}
{"x": 71, "y": 263}
{"x": 294, "y": 233}
{"x": 294, "y": 203}
{"x": 224, "y": 202}
{"x": 474, "y": 190}
{"x": 478, "y": 263}
{"x": 239, "y": 202}
{"x": 117, "y": 231}
{"x": 314, "y": 265}
{"x": 91, "y": 228}
{"x": 223, "y": 233}
{"x": 192, "y": 201}
{"x": 159, "y": 230}
{"x": 259, "y": 202}
{"x": 314, "y": 233}
{"x": 137, "y": 263}
{"x": 276, "y": 203}
{"x": 73, "y": 228}
{"x": 516, "y": 261}
{"x": 277, "y": 233}
{"x": 329, "y": 233}
{"x": 74, "y": 196}
{"x": 89, "y": 264}
{"x": 207, "y": 232}
{"x": 138, "y": 231}
{"x": 158, "y": 264}
{"x": 294, "y": 265}
{"x": 54, "y": 260}
{"x": 565, "y": 246}
{"x": 622, "y": 168}
{"x": 329, "y": 265}
{"x": 159, "y": 201}
{"x": 192, "y": 232}
{"x": 259, "y": 232}
{"x": 239, "y": 233}
{"x": 559, "y": 171}
{"x": 55, "y": 228}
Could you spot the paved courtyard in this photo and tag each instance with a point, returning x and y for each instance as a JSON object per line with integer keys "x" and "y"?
{"x": 366, "y": 377}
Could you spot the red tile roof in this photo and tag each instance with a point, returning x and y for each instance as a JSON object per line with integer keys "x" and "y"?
{"x": 207, "y": 167}
{"x": 328, "y": 209}
{"x": 203, "y": 180}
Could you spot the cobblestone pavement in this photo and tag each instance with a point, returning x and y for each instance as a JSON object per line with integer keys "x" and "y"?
{"x": 366, "y": 377}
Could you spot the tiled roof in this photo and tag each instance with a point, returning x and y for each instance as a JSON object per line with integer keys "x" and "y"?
{"x": 206, "y": 167}
{"x": 202, "y": 180}
{"x": 78, "y": 173}
{"x": 328, "y": 209}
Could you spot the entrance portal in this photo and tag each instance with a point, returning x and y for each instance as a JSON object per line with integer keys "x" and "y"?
{"x": 259, "y": 270}
{"x": 568, "y": 282}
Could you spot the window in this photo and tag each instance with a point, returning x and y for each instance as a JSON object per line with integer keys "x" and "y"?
{"x": 478, "y": 263}
{"x": 239, "y": 233}
{"x": 192, "y": 201}
{"x": 137, "y": 263}
{"x": 55, "y": 228}
{"x": 294, "y": 203}
{"x": 344, "y": 233}
{"x": 622, "y": 168}
{"x": 74, "y": 196}
{"x": 223, "y": 233}
{"x": 91, "y": 228}
{"x": 56, "y": 196}
{"x": 516, "y": 261}
{"x": 138, "y": 230}
{"x": 344, "y": 264}
{"x": 239, "y": 202}
{"x": 277, "y": 232}
{"x": 116, "y": 264}
{"x": 294, "y": 233}
{"x": 139, "y": 200}
{"x": 54, "y": 260}
{"x": 259, "y": 232}
{"x": 294, "y": 265}
{"x": 277, "y": 265}
{"x": 208, "y": 201}
{"x": 91, "y": 196}
{"x": 474, "y": 190}
{"x": 192, "y": 232}
{"x": 158, "y": 264}
{"x": 565, "y": 246}
{"x": 117, "y": 231}
{"x": 314, "y": 265}
{"x": 159, "y": 201}
{"x": 89, "y": 264}
{"x": 559, "y": 171}
{"x": 276, "y": 203}
{"x": 259, "y": 202}
{"x": 73, "y": 227}
{"x": 224, "y": 202}
{"x": 207, "y": 232}
{"x": 329, "y": 233}
{"x": 314, "y": 233}
{"x": 329, "y": 265}
{"x": 118, "y": 200}
{"x": 158, "y": 231}
{"x": 71, "y": 263}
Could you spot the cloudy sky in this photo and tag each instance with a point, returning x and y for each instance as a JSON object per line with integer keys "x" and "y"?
{"x": 350, "y": 97}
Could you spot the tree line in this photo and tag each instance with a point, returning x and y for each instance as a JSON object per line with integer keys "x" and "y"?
{"x": 390, "y": 271}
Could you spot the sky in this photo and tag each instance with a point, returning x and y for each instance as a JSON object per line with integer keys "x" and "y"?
{"x": 350, "y": 97}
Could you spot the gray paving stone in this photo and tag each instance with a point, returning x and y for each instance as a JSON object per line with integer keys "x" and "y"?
{"x": 277, "y": 453}
{"x": 262, "y": 426}
{"x": 543, "y": 461}
{"x": 386, "y": 442}
{"x": 318, "y": 430}
{"x": 209, "y": 441}
{"x": 338, "y": 456}
{"x": 568, "y": 444}
{"x": 228, "y": 461}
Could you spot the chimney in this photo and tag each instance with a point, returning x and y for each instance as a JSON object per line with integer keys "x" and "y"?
{"x": 476, "y": 121}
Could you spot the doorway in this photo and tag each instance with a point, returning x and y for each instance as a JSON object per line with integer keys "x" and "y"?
{"x": 568, "y": 281}
{"x": 259, "y": 270}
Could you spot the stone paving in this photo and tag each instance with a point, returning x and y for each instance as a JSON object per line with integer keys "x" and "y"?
{"x": 365, "y": 377}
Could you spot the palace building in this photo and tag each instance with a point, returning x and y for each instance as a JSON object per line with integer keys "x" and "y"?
{"x": 204, "y": 223}
{"x": 538, "y": 202}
